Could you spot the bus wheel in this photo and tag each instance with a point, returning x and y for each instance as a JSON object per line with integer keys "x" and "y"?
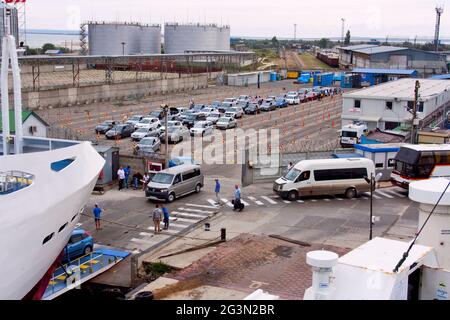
{"x": 351, "y": 193}
{"x": 293, "y": 196}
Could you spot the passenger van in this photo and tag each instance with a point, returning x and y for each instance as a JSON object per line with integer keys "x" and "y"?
{"x": 175, "y": 182}
{"x": 326, "y": 177}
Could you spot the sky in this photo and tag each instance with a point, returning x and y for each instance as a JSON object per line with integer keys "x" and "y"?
{"x": 254, "y": 18}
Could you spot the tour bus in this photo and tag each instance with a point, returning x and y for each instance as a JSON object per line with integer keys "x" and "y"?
{"x": 420, "y": 162}
{"x": 326, "y": 177}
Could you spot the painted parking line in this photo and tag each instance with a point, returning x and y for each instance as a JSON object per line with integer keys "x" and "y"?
{"x": 269, "y": 200}
{"x": 384, "y": 194}
{"x": 259, "y": 203}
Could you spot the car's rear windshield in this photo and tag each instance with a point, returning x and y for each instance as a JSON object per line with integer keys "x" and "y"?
{"x": 163, "y": 178}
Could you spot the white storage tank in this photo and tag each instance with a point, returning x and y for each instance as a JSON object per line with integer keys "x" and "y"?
{"x": 179, "y": 38}
{"x": 123, "y": 38}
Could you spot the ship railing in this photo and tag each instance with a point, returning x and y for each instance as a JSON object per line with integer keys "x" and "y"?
{"x": 79, "y": 268}
{"x": 12, "y": 181}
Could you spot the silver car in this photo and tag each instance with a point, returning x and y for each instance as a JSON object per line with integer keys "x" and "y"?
{"x": 225, "y": 123}
{"x": 175, "y": 182}
{"x": 149, "y": 145}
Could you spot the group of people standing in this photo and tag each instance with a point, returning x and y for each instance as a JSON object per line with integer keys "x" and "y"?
{"x": 161, "y": 214}
{"x": 125, "y": 182}
{"x": 238, "y": 205}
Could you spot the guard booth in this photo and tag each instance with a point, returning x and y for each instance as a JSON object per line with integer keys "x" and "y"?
{"x": 382, "y": 155}
{"x": 109, "y": 172}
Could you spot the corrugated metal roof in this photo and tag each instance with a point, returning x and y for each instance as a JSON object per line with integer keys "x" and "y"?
{"x": 441, "y": 76}
{"x": 379, "y": 49}
{"x": 386, "y": 71}
{"x": 358, "y": 47}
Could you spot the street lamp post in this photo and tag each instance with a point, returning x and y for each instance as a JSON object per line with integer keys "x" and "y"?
{"x": 123, "y": 48}
{"x": 373, "y": 183}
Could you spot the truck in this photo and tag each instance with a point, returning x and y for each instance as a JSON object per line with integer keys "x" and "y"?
{"x": 351, "y": 134}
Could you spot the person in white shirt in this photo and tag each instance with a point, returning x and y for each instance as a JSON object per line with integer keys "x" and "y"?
{"x": 145, "y": 181}
{"x": 121, "y": 176}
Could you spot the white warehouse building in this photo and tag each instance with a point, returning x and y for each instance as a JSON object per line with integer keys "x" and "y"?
{"x": 388, "y": 106}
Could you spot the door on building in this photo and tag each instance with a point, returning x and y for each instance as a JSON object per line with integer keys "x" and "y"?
{"x": 115, "y": 164}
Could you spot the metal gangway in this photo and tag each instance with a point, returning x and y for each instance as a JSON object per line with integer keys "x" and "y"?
{"x": 12, "y": 181}
{"x": 74, "y": 273}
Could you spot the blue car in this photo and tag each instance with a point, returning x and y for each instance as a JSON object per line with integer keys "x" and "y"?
{"x": 80, "y": 244}
{"x": 281, "y": 103}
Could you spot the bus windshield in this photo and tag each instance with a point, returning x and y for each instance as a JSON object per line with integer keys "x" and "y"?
{"x": 419, "y": 164}
{"x": 292, "y": 175}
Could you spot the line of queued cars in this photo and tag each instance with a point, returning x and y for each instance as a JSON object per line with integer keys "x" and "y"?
{"x": 201, "y": 119}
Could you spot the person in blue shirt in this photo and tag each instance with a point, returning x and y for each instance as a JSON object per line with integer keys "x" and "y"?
{"x": 217, "y": 191}
{"x": 127, "y": 171}
{"x": 97, "y": 215}
{"x": 166, "y": 218}
{"x": 237, "y": 199}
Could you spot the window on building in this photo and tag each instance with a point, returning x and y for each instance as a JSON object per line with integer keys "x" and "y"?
{"x": 357, "y": 104}
{"x": 379, "y": 165}
{"x": 391, "y": 125}
{"x": 410, "y": 105}
{"x": 389, "y": 105}
{"x": 420, "y": 107}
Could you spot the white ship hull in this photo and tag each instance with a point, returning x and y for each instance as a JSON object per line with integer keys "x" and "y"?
{"x": 29, "y": 215}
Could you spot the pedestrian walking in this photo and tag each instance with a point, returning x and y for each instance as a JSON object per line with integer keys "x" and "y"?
{"x": 145, "y": 180}
{"x": 166, "y": 220}
{"x": 97, "y": 211}
{"x": 217, "y": 191}
{"x": 127, "y": 172}
{"x": 121, "y": 176}
{"x": 237, "y": 199}
{"x": 157, "y": 217}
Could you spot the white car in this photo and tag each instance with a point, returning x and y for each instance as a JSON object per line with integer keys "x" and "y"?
{"x": 292, "y": 93}
{"x": 293, "y": 99}
{"x": 134, "y": 120}
{"x": 172, "y": 123}
{"x": 231, "y": 100}
{"x": 272, "y": 98}
{"x": 238, "y": 111}
{"x": 177, "y": 134}
{"x": 214, "y": 117}
{"x": 202, "y": 128}
{"x": 230, "y": 114}
{"x": 148, "y": 123}
{"x": 144, "y": 133}
{"x": 225, "y": 123}
{"x": 207, "y": 111}
{"x": 244, "y": 98}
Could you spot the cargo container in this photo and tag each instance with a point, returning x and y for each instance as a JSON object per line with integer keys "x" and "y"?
{"x": 273, "y": 76}
{"x": 304, "y": 78}
{"x": 292, "y": 74}
{"x": 351, "y": 81}
{"x": 323, "y": 79}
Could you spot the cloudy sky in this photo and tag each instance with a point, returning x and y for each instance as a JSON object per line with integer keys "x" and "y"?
{"x": 258, "y": 18}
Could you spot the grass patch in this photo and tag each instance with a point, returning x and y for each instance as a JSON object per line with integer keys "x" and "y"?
{"x": 156, "y": 269}
{"x": 311, "y": 62}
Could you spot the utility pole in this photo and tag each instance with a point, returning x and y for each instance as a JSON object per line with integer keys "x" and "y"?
{"x": 165, "y": 108}
{"x": 123, "y": 48}
{"x": 343, "y": 30}
{"x": 415, "y": 121}
{"x": 295, "y": 32}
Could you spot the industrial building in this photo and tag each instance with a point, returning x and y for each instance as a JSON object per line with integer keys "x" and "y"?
{"x": 123, "y": 38}
{"x": 182, "y": 38}
{"x": 389, "y": 57}
{"x": 14, "y": 23}
{"x": 371, "y": 77}
{"x": 387, "y": 106}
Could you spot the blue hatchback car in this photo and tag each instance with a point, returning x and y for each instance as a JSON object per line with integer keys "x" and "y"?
{"x": 281, "y": 103}
{"x": 80, "y": 244}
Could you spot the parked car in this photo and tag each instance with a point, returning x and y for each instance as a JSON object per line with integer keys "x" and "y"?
{"x": 207, "y": 111}
{"x": 225, "y": 123}
{"x": 202, "y": 128}
{"x": 225, "y": 106}
{"x": 230, "y": 114}
{"x": 273, "y": 98}
{"x": 302, "y": 94}
{"x": 176, "y": 134}
{"x": 213, "y": 117}
{"x": 149, "y": 145}
{"x": 231, "y": 100}
{"x": 293, "y": 99}
{"x": 80, "y": 244}
{"x": 253, "y": 108}
{"x": 145, "y": 132}
{"x": 238, "y": 111}
{"x": 244, "y": 98}
{"x": 268, "y": 105}
{"x": 198, "y": 108}
{"x": 135, "y": 120}
{"x": 105, "y": 126}
{"x": 311, "y": 95}
{"x": 192, "y": 119}
{"x": 184, "y": 114}
{"x": 148, "y": 123}
{"x": 159, "y": 114}
{"x": 120, "y": 131}
{"x": 216, "y": 104}
{"x": 243, "y": 104}
{"x": 172, "y": 123}
{"x": 281, "y": 102}
{"x": 175, "y": 182}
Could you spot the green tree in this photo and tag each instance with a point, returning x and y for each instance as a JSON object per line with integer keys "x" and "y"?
{"x": 324, "y": 43}
{"x": 48, "y": 46}
{"x": 347, "y": 38}
{"x": 275, "y": 42}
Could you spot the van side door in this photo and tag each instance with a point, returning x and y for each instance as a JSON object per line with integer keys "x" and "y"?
{"x": 304, "y": 182}
{"x": 178, "y": 185}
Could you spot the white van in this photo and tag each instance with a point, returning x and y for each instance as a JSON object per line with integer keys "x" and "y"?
{"x": 326, "y": 177}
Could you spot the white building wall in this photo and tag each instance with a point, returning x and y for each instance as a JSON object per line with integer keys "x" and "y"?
{"x": 34, "y": 122}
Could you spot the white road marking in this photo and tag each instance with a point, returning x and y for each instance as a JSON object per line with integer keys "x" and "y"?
{"x": 327, "y": 200}
{"x": 144, "y": 234}
{"x": 180, "y": 220}
{"x": 285, "y": 201}
{"x": 269, "y": 200}
{"x": 384, "y": 194}
{"x": 396, "y": 193}
{"x": 300, "y": 201}
{"x": 196, "y": 211}
{"x": 228, "y": 203}
{"x": 367, "y": 194}
{"x": 201, "y": 206}
{"x": 185, "y": 214}
{"x": 313, "y": 200}
{"x": 259, "y": 203}
{"x": 245, "y": 203}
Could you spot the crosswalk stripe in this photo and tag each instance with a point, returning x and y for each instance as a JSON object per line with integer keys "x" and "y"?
{"x": 201, "y": 206}
{"x": 180, "y": 220}
{"x": 245, "y": 203}
{"x": 384, "y": 194}
{"x": 228, "y": 203}
{"x": 211, "y": 201}
{"x": 269, "y": 200}
{"x": 300, "y": 201}
{"x": 313, "y": 200}
{"x": 327, "y": 200}
{"x": 285, "y": 201}
{"x": 396, "y": 193}
{"x": 196, "y": 211}
{"x": 259, "y": 203}
{"x": 367, "y": 194}
{"x": 187, "y": 215}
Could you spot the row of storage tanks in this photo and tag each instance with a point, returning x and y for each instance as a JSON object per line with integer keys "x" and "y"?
{"x": 134, "y": 38}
